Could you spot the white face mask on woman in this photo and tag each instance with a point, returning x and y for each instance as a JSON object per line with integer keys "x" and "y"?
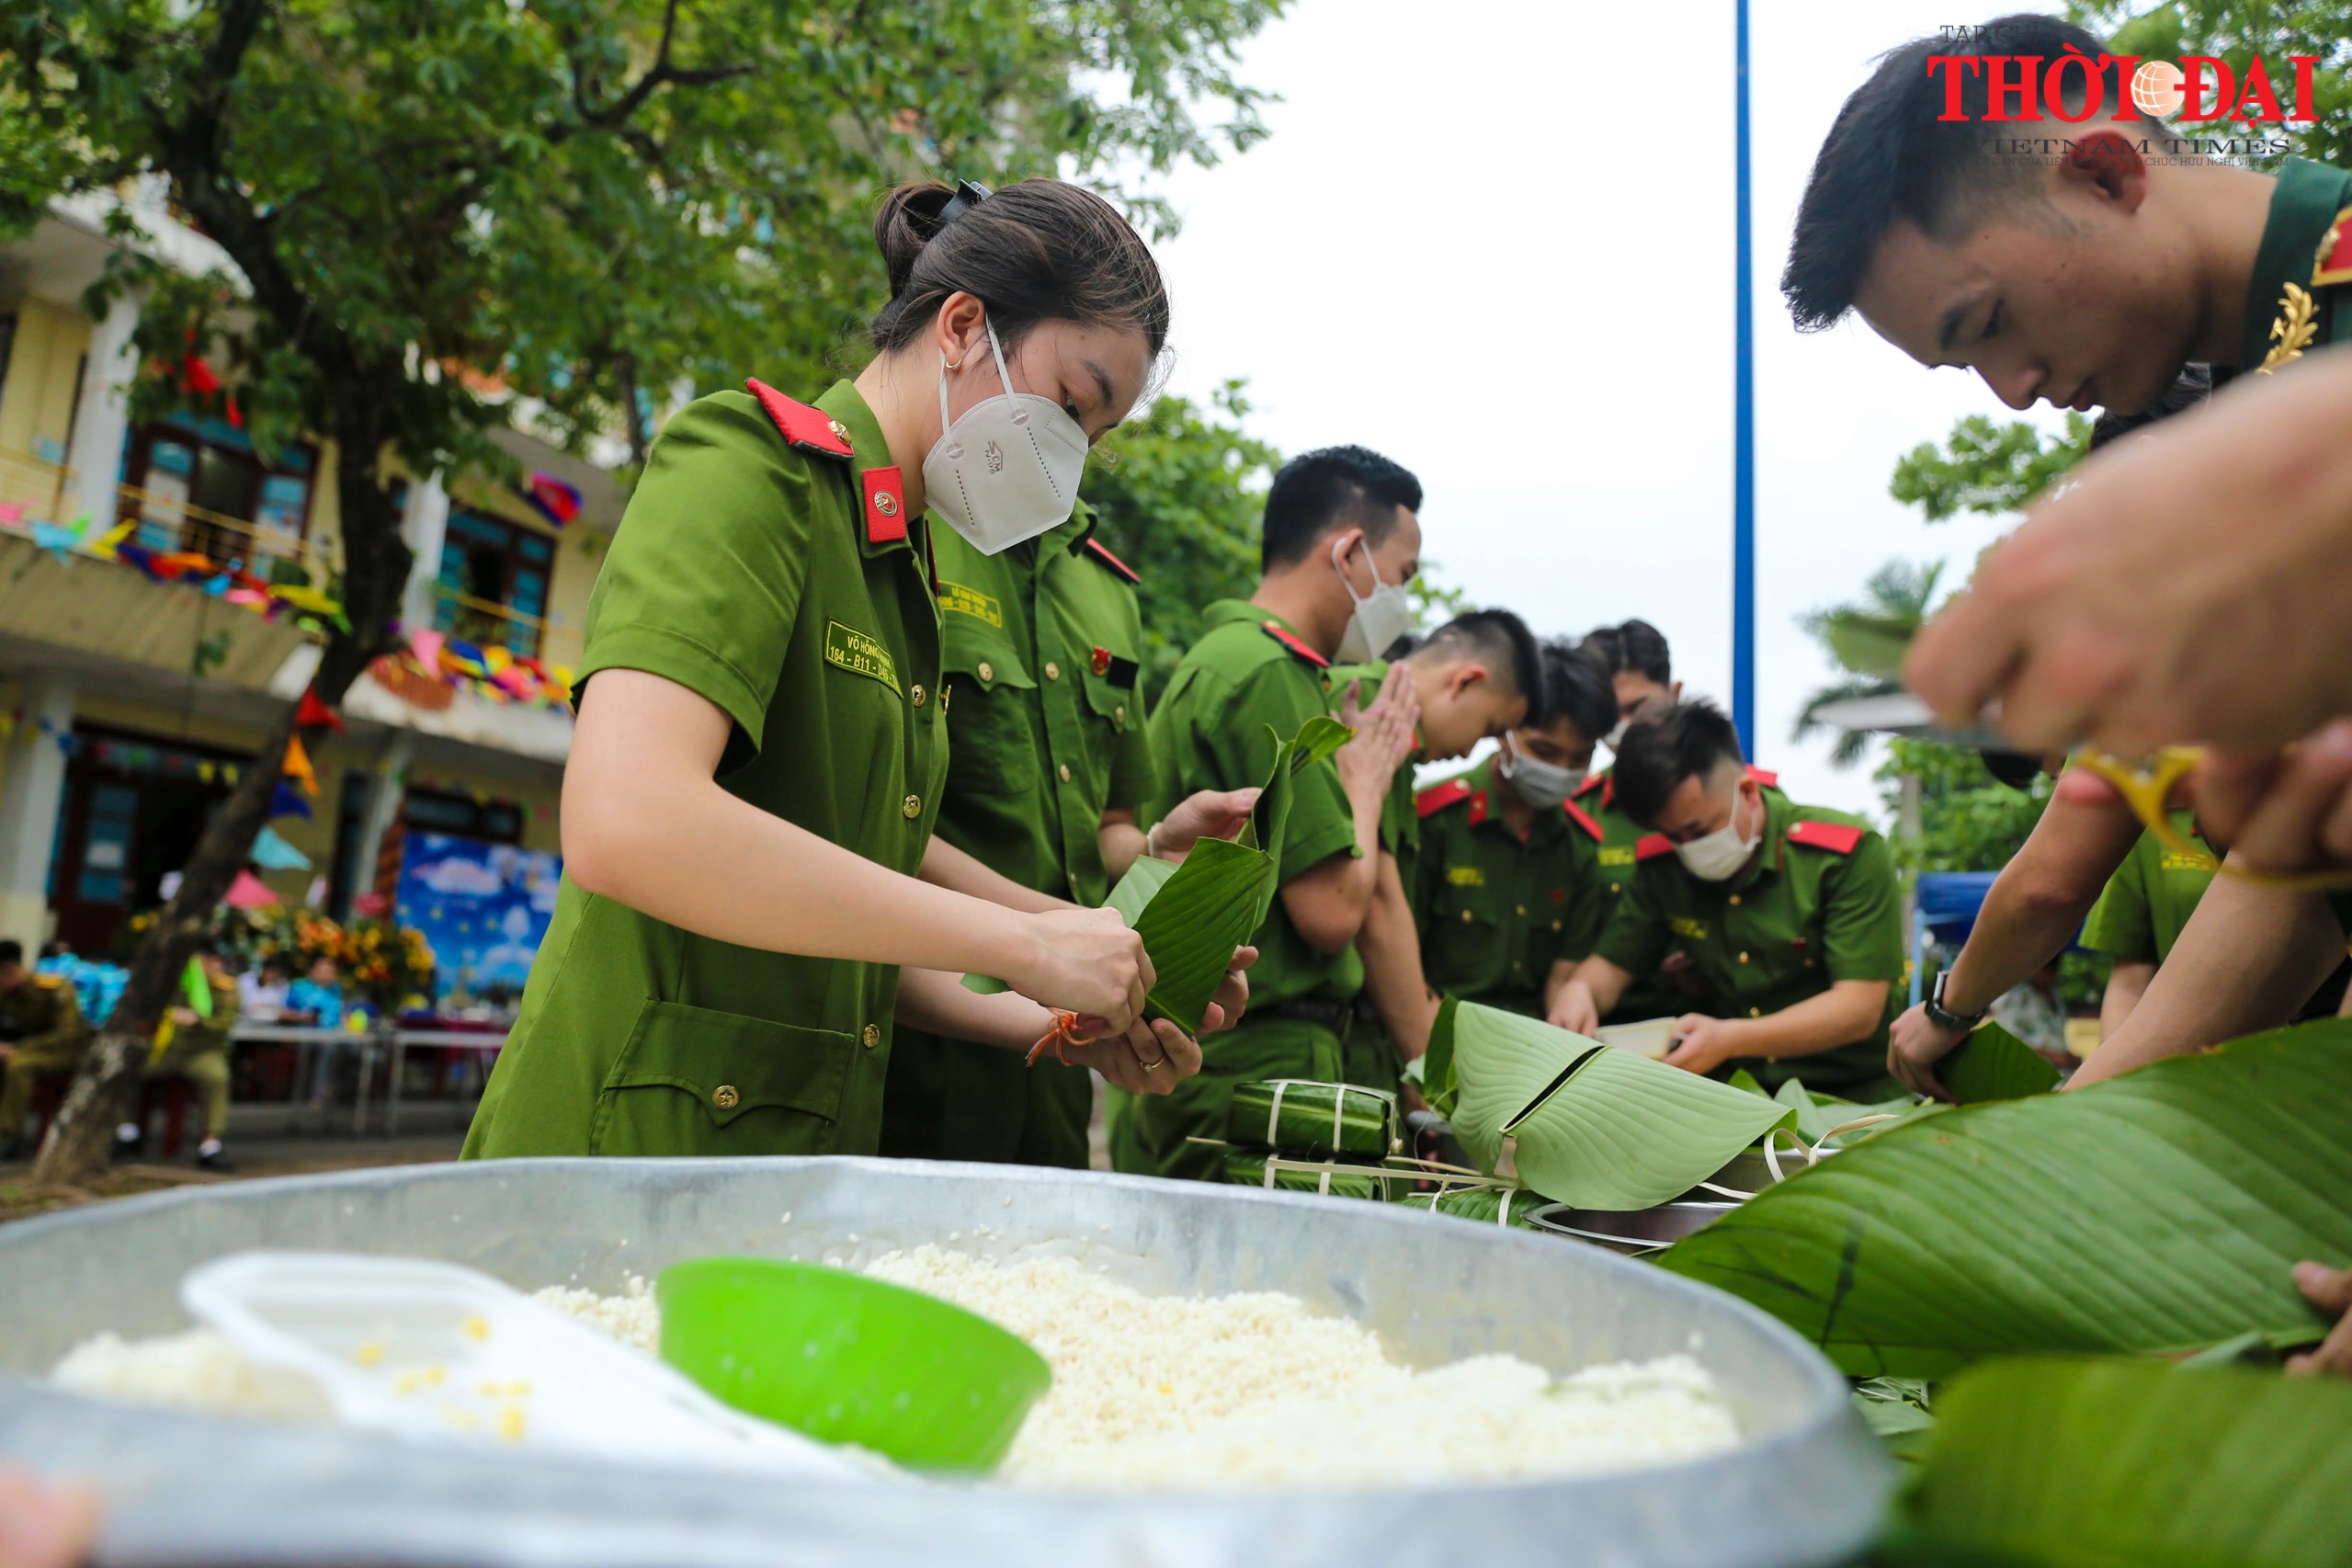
{"x": 1541, "y": 784}
{"x": 1719, "y": 857}
{"x": 1008, "y": 470}
{"x": 1380, "y": 619}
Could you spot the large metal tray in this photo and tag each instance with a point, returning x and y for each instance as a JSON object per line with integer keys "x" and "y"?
{"x": 1806, "y": 1488}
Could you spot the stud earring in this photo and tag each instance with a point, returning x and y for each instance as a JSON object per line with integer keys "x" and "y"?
{"x": 955, "y": 364}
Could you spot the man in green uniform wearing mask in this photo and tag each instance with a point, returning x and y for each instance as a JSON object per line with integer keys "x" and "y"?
{"x": 1508, "y": 890}
{"x": 41, "y": 1022}
{"x": 1340, "y": 542}
{"x": 1789, "y": 915}
{"x": 1048, "y": 763}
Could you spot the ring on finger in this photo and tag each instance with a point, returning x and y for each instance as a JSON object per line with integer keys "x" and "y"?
{"x": 1153, "y": 1066}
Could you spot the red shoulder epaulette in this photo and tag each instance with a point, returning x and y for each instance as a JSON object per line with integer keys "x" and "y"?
{"x": 1764, "y": 780}
{"x": 1104, "y": 558}
{"x": 1597, "y": 781}
{"x": 2335, "y": 253}
{"x": 1835, "y": 837}
{"x": 811, "y": 429}
{"x": 1437, "y": 797}
{"x": 1297, "y": 645}
{"x": 1653, "y": 845}
{"x": 1581, "y": 820}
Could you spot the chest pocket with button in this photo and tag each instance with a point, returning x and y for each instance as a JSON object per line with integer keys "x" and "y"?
{"x": 1115, "y": 705}
{"x": 1464, "y": 941}
{"x": 992, "y": 742}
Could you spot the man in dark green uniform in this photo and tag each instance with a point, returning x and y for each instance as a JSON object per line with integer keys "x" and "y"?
{"x": 197, "y": 1049}
{"x": 41, "y": 1023}
{"x": 1048, "y": 765}
{"x": 1473, "y": 678}
{"x": 1788, "y": 912}
{"x": 1508, "y": 892}
{"x": 1340, "y": 542}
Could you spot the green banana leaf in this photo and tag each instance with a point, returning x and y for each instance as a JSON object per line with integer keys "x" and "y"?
{"x": 2157, "y": 1213}
{"x": 1818, "y": 1116}
{"x": 1589, "y": 1126}
{"x": 1490, "y": 1205}
{"x": 1993, "y": 1064}
{"x": 1192, "y": 916}
{"x": 1436, "y": 1079}
{"x": 2108, "y": 1463}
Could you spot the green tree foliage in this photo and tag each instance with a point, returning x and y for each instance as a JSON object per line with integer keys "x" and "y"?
{"x": 1180, "y": 492}
{"x": 436, "y": 212}
{"x": 2234, "y": 31}
{"x": 1993, "y": 471}
{"x": 1867, "y": 639}
{"x": 1968, "y": 821}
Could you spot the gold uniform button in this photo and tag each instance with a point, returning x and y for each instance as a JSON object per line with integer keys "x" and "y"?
{"x": 1066, "y": 773}
{"x": 1756, "y": 1012}
{"x": 917, "y": 694}
{"x": 912, "y": 806}
{"x": 1743, "y": 958}
{"x": 1052, "y": 670}
{"x": 1467, "y": 918}
{"x": 1555, "y": 925}
{"x": 986, "y": 672}
{"x": 1522, "y": 911}
{"x": 1516, "y": 964}
{"x": 1612, "y": 887}
{"x": 1735, "y": 900}
{"x": 871, "y": 1036}
{"x": 1119, "y": 714}
{"x": 725, "y": 1097}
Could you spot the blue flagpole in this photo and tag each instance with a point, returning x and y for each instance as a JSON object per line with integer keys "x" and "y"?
{"x": 1743, "y": 424}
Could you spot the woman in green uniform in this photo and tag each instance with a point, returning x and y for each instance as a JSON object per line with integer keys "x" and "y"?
{"x": 760, "y": 746}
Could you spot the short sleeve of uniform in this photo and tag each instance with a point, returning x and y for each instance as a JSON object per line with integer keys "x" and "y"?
{"x": 2120, "y": 923}
{"x": 706, "y": 573}
{"x": 1634, "y": 937}
{"x": 1274, "y": 701}
{"x": 1862, "y": 917}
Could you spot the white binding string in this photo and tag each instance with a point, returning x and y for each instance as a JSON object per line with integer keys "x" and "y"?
{"x": 1338, "y": 1108}
{"x": 1813, "y": 1152}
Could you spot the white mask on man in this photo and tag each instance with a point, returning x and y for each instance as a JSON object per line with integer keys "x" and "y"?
{"x": 1009, "y": 469}
{"x": 1541, "y": 784}
{"x": 1380, "y": 619}
{"x": 1719, "y": 857}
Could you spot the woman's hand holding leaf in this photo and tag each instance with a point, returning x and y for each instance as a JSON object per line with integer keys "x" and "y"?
{"x": 1205, "y": 814}
{"x": 1225, "y": 1009}
{"x": 1151, "y": 1057}
{"x": 2329, "y": 1289}
{"x": 1085, "y": 961}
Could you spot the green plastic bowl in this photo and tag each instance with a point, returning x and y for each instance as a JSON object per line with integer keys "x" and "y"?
{"x": 850, "y": 1360}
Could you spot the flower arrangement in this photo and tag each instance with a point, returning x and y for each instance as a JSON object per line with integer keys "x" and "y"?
{"x": 387, "y": 965}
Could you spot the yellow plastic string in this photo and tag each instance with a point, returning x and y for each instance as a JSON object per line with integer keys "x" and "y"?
{"x": 2146, "y": 785}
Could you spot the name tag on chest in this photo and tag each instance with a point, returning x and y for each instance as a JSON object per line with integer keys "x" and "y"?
{"x": 860, "y": 654}
{"x": 973, "y": 602}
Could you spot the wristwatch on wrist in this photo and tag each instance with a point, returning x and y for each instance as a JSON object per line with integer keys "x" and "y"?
{"x": 1942, "y": 1016}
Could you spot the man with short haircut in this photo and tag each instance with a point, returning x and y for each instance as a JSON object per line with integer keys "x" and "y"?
{"x": 41, "y": 1023}
{"x": 1508, "y": 894}
{"x": 1789, "y": 914}
{"x": 1341, "y": 539}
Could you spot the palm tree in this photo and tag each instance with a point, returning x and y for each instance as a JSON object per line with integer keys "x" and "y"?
{"x": 1868, "y": 640}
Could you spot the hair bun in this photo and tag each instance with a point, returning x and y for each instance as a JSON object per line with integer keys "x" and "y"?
{"x": 908, "y": 221}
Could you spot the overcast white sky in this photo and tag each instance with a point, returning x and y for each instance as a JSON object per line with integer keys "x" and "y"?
{"x": 1447, "y": 253}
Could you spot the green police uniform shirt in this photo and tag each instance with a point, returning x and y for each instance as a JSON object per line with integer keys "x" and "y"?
{"x": 1249, "y": 680}
{"x": 1497, "y": 910}
{"x": 2296, "y": 298}
{"x": 766, "y": 563}
{"x": 1046, "y": 730}
{"x": 2140, "y": 913}
{"x": 1820, "y": 906}
{"x": 41, "y": 1022}
{"x": 1651, "y": 995}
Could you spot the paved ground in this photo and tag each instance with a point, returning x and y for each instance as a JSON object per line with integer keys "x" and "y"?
{"x": 258, "y": 1157}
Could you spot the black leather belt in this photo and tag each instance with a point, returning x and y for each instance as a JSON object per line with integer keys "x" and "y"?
{"x": 1333, "y": 1016}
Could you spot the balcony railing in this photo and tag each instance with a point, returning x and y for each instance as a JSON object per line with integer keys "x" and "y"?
{"x": 166, "y": 523}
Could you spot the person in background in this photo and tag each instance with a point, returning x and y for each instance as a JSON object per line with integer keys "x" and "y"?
{"x": 195, "y": 1047}
{"x": 1340, "y": 542}
{"x": 1477, "y": 677}
{"x": 316, "y": 1000}
{"x": 263, "y": 993}
{"x": 1789, "y": 913}
{"x": 42, "y": 1024}
{"x": 1508, "y": 891}
{"x": 1641, "y": 670}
